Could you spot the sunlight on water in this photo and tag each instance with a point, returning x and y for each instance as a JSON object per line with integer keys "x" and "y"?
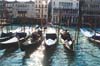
{"x": 37, "y": 57}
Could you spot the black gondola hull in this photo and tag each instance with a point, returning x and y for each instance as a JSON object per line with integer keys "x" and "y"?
{"x": 5, "y": 38}
{"x": 33, "y": 45}
{"x": 13, "y": 44}
{"x": 69, "y": 48}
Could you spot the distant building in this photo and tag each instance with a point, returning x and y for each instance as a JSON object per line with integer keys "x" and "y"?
{"x": 41, "y": 7}
{"x": 24, "y": 9}
{"x": 9, "y": 7}
{"x": 91, "y": 11}
{"x": 1, "y": 8}
{"x": 3, "y": 12}
{"x": 64, "y": 11}
{"x": 20, "y": 10}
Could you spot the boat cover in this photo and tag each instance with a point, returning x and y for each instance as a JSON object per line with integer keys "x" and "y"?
{"x": 87, "y": 33}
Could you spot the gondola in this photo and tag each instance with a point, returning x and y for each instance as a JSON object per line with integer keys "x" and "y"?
{"x": 34, "y": 41}
{"x": 19, "y": 38}
{"x": 50, "y": 37}
{"x": 5, "y": 36}
{"x": 66, "y": 39}
{"x": 91, "y": 35}
{"x": 95, "y": 38}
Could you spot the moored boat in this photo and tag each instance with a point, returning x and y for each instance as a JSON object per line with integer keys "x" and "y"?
{"x": 91, "y": 35}
{"x": 19, "y": 38}
{"x": 50, "y": 37}
{"x": 66, "y": 39}
{"x": 33, "y": 41}
{"x": 95, "y": 39}
{"x": 87, "y": 32}
{"x": 5, "y": 36}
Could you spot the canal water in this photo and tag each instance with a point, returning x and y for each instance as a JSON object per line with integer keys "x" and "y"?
{"x": 86, "y": 54}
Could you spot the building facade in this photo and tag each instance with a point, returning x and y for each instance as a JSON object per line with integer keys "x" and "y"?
{"x": 21, "y": 10}
{"x": 9, "y": 8}
{"x": 41, "y": 7}
{"x": 1, "y": 8}
{"x": 64, "y": 11}
{"x": 91, "y": 11}
{"x": 3, "y": 12}
{"x": 24, "y": 9}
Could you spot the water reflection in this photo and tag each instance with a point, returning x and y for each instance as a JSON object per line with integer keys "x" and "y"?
{"x": 34, "y": 56}
{"x": 71, "y": 57}
{"x": 95, "y": 44}
{"x": 7, "y": 53}
{"x": 49, "y": 52}
{"x": 11, "y": 57}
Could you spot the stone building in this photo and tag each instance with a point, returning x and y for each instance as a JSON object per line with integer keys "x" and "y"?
{"x": 41, "y": 7}
{"x": 90, "y": 12}
{"x": 64, "y": 11}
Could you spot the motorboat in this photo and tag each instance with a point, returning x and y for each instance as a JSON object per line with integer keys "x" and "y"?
{"x": 50, "y": 37}
{"x": 66, "y": 39}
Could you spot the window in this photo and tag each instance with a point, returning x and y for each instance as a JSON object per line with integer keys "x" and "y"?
{"x": 38, "y": 10}
{"x": 39, "y": 1}
{"x": 36, "y": 6}
{"x": 45, "y": 6}
{"x": 54, "y": 2}
{"x": 38, "y": 16}
{"x": 45, "y": 16}
{"x": 94, "y": 6}
{"x": 77, "y": 4}
{"x": 65, "y": 4}
{"x": 42, "y": 5}
{"x": 45, "y": 10}
{"x": 39, "y": 6}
